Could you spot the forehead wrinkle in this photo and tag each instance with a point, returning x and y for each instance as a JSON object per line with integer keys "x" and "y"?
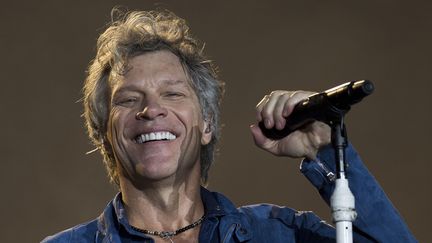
{"x": 144, "y": 73}
{"x": 179, "y": 83}
{"x": 161, "y": 83}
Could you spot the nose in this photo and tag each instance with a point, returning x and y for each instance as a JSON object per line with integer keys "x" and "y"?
{"x": 151, "y": 111}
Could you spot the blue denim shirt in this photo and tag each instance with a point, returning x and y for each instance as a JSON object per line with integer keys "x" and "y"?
{"x": 377, "y": 220}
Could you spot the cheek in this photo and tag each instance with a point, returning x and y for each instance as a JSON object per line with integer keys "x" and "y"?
{"x": 115, "y": 125}
{"x": 116, "y": 135}
{"x": 194, "y": 117}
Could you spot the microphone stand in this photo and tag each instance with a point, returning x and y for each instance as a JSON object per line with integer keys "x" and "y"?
{"x": 342, "y": 200}
{"x": 330, "y": 107}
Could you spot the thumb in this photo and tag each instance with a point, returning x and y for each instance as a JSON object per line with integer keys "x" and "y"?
{"x": 257, "y": 135}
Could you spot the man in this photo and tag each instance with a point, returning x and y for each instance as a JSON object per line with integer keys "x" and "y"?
{"x": 151, "y": 104}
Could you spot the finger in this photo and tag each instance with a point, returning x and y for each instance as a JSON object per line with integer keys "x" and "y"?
{"x": 278, "y": 117}
{"x": 259, "y": 107}
{"x": 262, "y": 141}
{"x": 257, "y": 135}
{"x": 294, "y": 99}
{"x": 268, "y": 108}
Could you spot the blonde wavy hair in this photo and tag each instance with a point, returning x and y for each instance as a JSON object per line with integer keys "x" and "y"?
{"x": 131, "y": 34}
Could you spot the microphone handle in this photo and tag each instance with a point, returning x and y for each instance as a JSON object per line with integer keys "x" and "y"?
{"x": 304, "y": 113}
{"x": 326, "y": 106}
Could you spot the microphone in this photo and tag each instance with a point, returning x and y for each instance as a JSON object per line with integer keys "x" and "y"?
{"x": 327, "y": 106}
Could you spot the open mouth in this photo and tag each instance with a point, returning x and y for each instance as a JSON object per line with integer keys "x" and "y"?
{"x": 154, "y": 136}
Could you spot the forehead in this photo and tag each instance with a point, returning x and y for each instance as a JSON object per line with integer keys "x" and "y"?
{"x": 153, "y": 68}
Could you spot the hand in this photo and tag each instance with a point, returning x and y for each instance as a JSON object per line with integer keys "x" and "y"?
{"x": 273, "y": 110}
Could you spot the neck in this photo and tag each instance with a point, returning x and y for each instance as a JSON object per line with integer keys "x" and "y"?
{"x": 163, "y": 206}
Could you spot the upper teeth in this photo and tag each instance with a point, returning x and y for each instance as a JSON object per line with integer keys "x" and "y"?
{"x": 155, "y": 136}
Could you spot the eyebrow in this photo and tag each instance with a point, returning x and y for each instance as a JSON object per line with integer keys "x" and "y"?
{"x": 170, "y": 82}
{"x": 164, "y": 82}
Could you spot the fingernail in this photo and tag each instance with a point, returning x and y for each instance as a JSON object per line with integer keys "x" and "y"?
{"x": 278, "y": 125}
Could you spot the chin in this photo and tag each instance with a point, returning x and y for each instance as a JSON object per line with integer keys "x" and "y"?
{"x": 156, "y": 171}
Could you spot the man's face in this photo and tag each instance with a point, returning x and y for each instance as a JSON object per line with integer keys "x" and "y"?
{"x": 163, "y": 140}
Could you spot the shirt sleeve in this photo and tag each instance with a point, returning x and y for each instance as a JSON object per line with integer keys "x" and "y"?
{"x": 377, "y": 219}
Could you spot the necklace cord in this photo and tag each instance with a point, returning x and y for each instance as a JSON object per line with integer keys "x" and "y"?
{"x": 169, "y": 234}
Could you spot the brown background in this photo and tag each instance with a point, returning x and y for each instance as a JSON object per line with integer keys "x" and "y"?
{"x": 48, "y": 183}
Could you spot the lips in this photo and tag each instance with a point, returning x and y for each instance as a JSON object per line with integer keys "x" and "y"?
{"x": 154, "y": 136}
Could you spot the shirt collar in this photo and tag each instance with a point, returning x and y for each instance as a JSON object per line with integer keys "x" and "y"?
{"x": 212, "y": 206}
{"x": 114, "y": 215}
{"x": 113, "y": 218}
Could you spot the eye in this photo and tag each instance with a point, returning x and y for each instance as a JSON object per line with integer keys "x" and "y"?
{"x": 127, "y": 101}
{"x": 173, "y": 94}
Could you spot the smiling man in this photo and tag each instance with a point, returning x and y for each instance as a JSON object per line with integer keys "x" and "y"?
{"x": 151, "y": 104}
{"x": 156, "y": 129}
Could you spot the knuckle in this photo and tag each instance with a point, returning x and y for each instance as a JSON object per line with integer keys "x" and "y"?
{"x": 266, "y": 113}
{"x": 263, "y": 101}
{"x": 286, "y": 94}
{"x": 296, "y": 93}
{"x": 277, "y": 92}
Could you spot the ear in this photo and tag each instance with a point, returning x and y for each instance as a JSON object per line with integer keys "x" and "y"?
{"x": 206, "y": 133}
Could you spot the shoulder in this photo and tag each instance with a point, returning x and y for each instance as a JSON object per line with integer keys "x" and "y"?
{"x": 264, "y": 213}
{"x": 267, "y": 211}
{"x": 85, "y": 232}
{"x": 286, "y": 223}
{"x": 288, "y": 216}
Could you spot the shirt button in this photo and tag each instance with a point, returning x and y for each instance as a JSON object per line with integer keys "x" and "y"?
{"x": 243, "y": 231}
